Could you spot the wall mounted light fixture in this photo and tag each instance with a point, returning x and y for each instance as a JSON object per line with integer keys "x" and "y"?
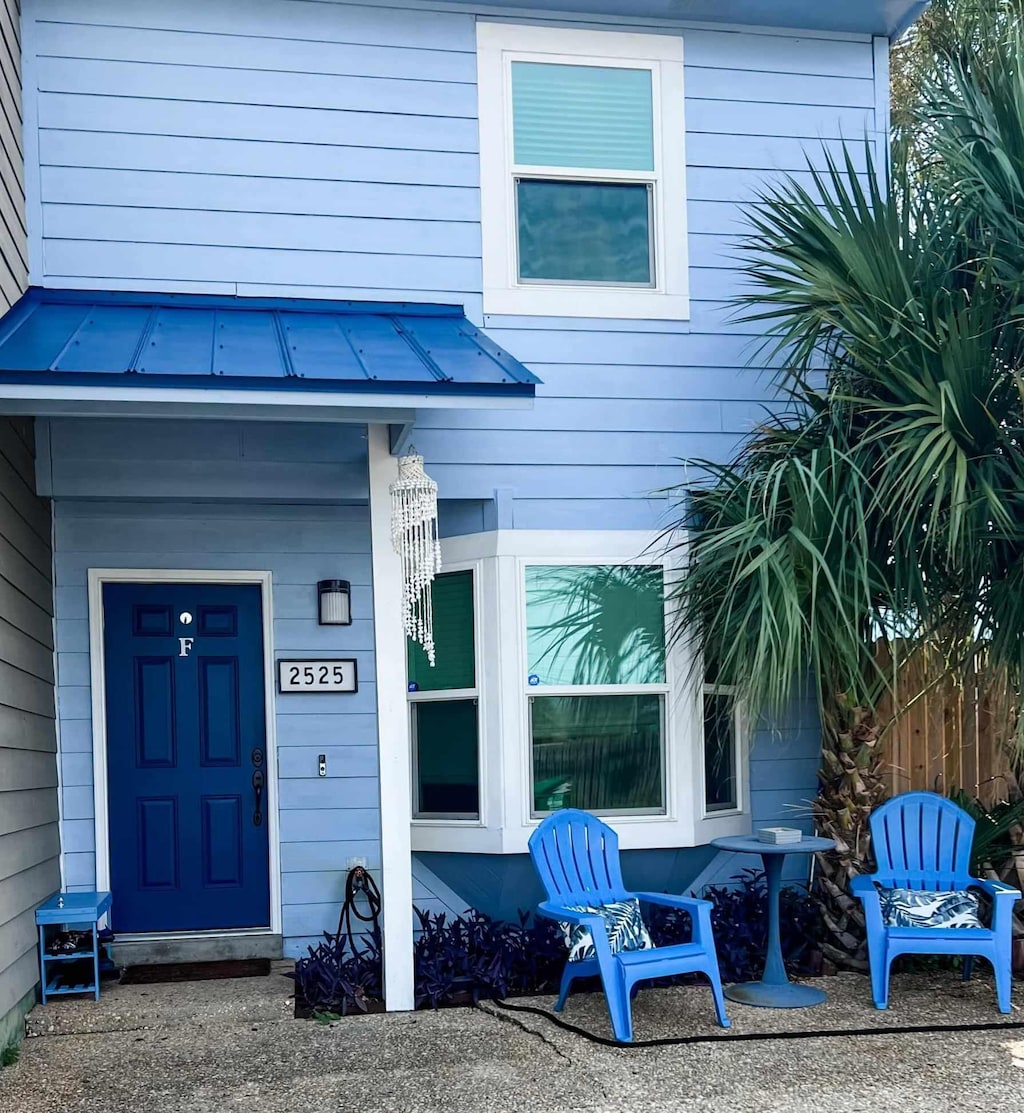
{"x": 334, "y": 603}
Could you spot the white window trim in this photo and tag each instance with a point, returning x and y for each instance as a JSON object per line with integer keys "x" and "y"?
{"x": 498, "y": 45}
{"x": 505, "y": 761}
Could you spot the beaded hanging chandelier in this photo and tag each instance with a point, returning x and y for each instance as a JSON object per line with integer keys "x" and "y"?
{"x": 414, "y": 536}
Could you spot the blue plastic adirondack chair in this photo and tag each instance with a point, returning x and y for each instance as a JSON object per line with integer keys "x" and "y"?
{"x": 577, "y": 857}
{"x": 923, "y": 841}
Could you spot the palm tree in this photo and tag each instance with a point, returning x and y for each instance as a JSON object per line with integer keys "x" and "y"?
{"x": 883, "y": 510}
{"x": 947, "y": 31}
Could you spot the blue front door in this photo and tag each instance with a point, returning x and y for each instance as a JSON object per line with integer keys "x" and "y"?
{"x": 186, "y": 757}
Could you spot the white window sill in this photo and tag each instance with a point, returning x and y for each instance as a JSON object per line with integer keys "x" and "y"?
{"x": 635, "y": 833}
{"x": 455, "y": 838}
{"x": 586, "y": 301}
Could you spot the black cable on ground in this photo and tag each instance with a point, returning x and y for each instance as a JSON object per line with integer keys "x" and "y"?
{"x": 746, "y": 1037}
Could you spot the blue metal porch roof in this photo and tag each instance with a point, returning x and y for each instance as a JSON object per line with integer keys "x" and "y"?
{"x": 95, "y": 338}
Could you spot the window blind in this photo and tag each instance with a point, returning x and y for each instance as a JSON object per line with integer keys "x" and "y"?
{"x": 593, "y": 117}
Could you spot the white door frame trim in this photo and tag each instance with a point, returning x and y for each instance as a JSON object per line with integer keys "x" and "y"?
{"x": 97, "y": 674}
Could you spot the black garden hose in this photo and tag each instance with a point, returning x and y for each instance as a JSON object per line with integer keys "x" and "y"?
{"x": 358, "y": 884}
{"x": 750, "y": 1037}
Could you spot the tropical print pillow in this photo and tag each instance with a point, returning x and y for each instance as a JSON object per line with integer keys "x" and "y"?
{"x": 623, "y": 923}
{"x": 922, "y": 908}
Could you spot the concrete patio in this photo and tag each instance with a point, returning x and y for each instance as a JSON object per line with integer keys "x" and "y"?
{"x": 202, "y": 1047}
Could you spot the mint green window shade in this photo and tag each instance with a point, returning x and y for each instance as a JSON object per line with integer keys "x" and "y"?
{"x": 596, "y": 232}
{"x": 597, "y": 117}
{"x": 595, "y": 624}
{"x": 455, "y": 667}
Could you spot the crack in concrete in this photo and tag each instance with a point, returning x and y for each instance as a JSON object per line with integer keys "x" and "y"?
{"x": 508, "y": 1018}
{"x": 594, "y": 1080}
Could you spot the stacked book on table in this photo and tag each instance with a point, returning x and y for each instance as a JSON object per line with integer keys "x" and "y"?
{"x": 779, "y": 836}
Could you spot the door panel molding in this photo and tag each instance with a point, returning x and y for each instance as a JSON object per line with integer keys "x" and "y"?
{"x": 97, "y": 669}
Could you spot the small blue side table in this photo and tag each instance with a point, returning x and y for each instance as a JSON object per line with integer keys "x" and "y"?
{"x": 67, "y": 910}
{"x": 774, "y": 990}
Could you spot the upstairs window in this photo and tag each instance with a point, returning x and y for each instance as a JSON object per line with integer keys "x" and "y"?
{"x": 582, "y": 172}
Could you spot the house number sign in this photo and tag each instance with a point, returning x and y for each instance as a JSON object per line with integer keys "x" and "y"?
{"x": 318, "y": 675}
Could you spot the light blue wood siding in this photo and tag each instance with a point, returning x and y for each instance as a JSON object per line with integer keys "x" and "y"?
{"x": 322, "y": 149}
{"x": 322, "y": 821}
{"x": 330, "y": 149}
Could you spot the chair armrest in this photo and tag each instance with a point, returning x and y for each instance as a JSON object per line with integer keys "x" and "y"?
{"x": 669, "y": 900}
{"x": 598, "y": 928}
{"x": 699, "y": 910}
{"x": 863, "y": 885}
{"x": 1003, "y": 899}
{"x": 863, "y": 888}
{"x": 994, "y": 889}
{"x": 566, "y": 915}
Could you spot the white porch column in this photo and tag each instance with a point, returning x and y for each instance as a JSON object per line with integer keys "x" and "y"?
{"x": 392, "y": 731}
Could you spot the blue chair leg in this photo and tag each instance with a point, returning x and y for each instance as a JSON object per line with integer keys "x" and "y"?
{"x": 616, "y": 993}
{"x": 968, "y": 967}
{"x": 1003, "y": 968}
{"x": 95, "y": 962}
{"x": 42, "y": 960}
{"x": 715, "y": 978}
{"x": 568, "y": 976}
{"x": 880, "y": 960}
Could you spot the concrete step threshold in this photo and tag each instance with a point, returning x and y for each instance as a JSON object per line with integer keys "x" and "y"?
{"x": 174, "y": 949}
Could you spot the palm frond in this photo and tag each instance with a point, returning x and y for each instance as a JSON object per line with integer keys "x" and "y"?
{"x": 890, "y": 496}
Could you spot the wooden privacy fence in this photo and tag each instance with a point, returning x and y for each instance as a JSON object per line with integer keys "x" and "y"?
{"x": 955, "y": 736}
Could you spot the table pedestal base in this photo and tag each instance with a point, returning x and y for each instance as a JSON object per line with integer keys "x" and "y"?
{"x": 770, "y": 996}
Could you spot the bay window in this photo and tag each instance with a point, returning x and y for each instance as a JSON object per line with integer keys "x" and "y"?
{"x": 557, "y": 684}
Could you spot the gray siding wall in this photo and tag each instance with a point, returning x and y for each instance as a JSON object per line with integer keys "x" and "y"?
{"x": 13, "y": 240}
{"x": 29, "y": 837}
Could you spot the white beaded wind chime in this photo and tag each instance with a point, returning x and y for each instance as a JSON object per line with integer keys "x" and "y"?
{"x": 415, "y": 539}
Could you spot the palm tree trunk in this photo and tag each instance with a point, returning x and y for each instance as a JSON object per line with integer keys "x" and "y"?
{"x": 850, "y": 787}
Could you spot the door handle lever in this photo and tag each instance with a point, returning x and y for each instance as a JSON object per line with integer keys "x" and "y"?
{"x": 258, "y": 781}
